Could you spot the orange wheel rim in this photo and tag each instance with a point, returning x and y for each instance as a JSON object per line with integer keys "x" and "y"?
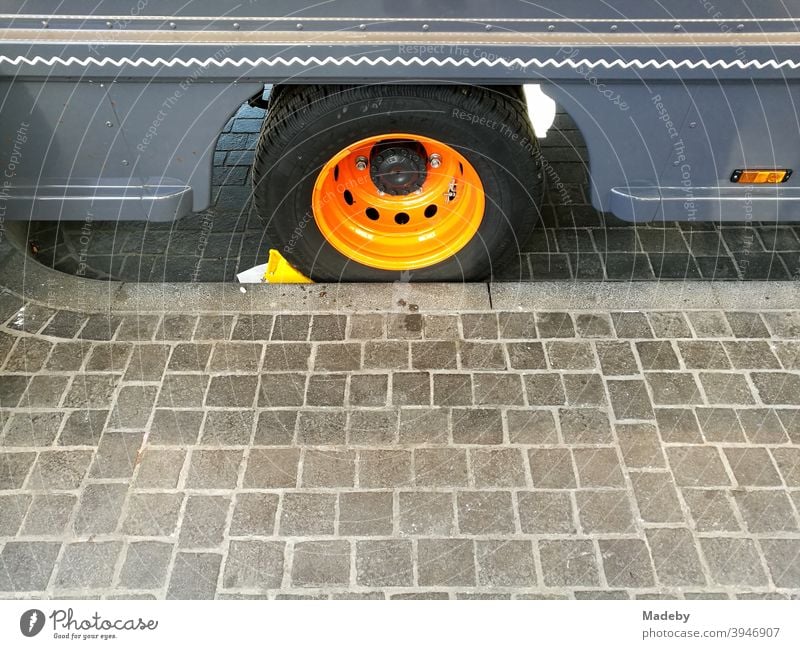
{"x": 398, "y": 201}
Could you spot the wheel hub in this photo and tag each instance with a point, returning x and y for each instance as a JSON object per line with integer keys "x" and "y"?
{"x": 398, "y": 168}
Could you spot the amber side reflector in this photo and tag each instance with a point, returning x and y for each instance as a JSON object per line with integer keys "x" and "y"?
{"x": 760, "y": 176}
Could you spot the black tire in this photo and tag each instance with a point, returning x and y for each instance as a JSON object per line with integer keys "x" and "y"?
{"x": 308, "y": 125}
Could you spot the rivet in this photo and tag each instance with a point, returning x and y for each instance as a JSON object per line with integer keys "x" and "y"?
{"x": 45, "y": 24}
{"x": 693, "y": 125}
{"x": 109, "y": 24}
{"x": 435, "y": 161}
{"x": 236, "y": 25}
{"x": 739, "y": 27}
{"x": 109, "y": 124}
{"x": 362, "y": 27}
{"x": 551, "y": 28}
{"x": 124, "y": 163}
{"x": 614, "y": 28}
{"x": 676, "y": 28}
{"x": 299, "y": 26}
{"x": 488, "y": 28}
{"x": 426, "y": 28}
{"x": 361, "y": 163}
{"x": 172, "y": 25}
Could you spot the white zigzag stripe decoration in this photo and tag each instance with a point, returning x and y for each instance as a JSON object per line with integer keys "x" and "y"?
{"x": 314, "y": 61}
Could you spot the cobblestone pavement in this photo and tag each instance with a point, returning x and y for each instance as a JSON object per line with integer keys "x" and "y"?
{"x": 573, "y": 241}
{"x": 402, "y": 455}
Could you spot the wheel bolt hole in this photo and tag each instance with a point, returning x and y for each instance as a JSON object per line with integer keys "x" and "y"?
{"x": 430, "y": 211}
{"x": 348, "y": 197}
{"x": 372, "y": 214}
{"x": 336, "y": 172}
{"x": 401, "y": 218}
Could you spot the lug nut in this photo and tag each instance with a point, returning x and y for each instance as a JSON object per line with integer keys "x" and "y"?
{"x": 361, "y": 163}
{"x": 435, "y": 161}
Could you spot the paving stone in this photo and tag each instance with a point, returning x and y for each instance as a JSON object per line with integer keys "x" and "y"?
{"x": 176, "y": 327}
{"x": 426, "y": 513}
{"x": 709, "y": 324}
{"x": 720, "y": 425}
{"x": 747, "y": 325}
{"x": 704, "y": 355}
{"x": 27, "y": 566}
{"x": 657, "y": 355}
{"x": 65, "y": 324}
{"x": 109, "y": 357}
{"x": 626, "y": 563}
{"x": 568, "y": 563}
{"x": 531, "y": 426}
{"x": 505, "y": 563}
{"x": 433, "y": 355}
{"x": 569, "y": 355}
{"x": 67, "y": 356}
{"x": 182, "y": 391}
{"x": 372, "y": 427}
{"x": 213, "y": 327}
{"x": 227, "y": 427}
{"x": 751, "y": 355}
{"x": 369, "y": 389}
{"x": 733, "y": 561}
{"x": 629, "y": 399}
{"x": 678, "y": 425}
{"x": 421, "y": 425}
{"x": 783, "y": 560}
{"x": 307, "y": 514}
{"x": 365, "y": 513}
{"x": 384, "y": 563}
{"x": 598, "y": 467}
{"x": 752, "y": 467}
{"x": 440, "y": 467}
{"x": 178, "y": 427}
{"x": 545, "y": 512}
{"x": 282, "y": 390}
{"x": 100, "y": 327}
{"x": 283, "y": 357}
{"x": 252, "y": 327}
{"x": 236, "y": 357}
{"x": 452, "y": 389}
{"x": 100, "y": 508}
{"x": 726, "y": 388}
{"x": 231, "y": 390}
{"x": 133, "y": 407}
{"x": 440, "y": 326}
{"x": 152, "y": 514}
{"x": 523, "y": 356}
{"x": 593, "y": 325}
{"x": 697, "y": 466}
{"x": 138, "y": 327}
{"x": 585, "y": 426}
{"x": 194, "y": 576}
{"x": 28, "y": 355}
{"x": 480, "y": 356}
{"x": 605, "y": 511}
{"x": 271, "y": 468}
{"x": 711, "y": 510}
{"x": 584, "y": 390}
{"x": 189, "y": 357}
{"x": 333, "y": 357}
{"x": 656, "y": 497}
{"x": 322, "y": 389}
{"x": 673, "y": 388}
{"x": 147, "y": 363}
{"x": 329, "y": 468}
{"x": 675, "y": 557}
{"x": 788, "y": 461}
{"x": 640, "y": 446}
{"x": 367, "y": 326}
{"x": 411, "y": 388}
{"x": 254, "y": 565}
{"x": 446, "y": 562}
{"x": 44, "y": 392}
{"x": 48, "y": 514}
{"x": 497, "y": 467}
{"x": 13, "y": 508}
{"x": 328, "y": 327}
{"x": 631, "y": 325}
{"x": 204, "y": 521}
{"x": 52, "y": 470}
{"x": 321, "y": 563}
{"x": 617, "y": 359}
{"x": 477, "y": 426}
{"x": 485, "y": 512}
{"x": 778, "y": 388}
{"x": 87, "y": 565}
{"x": 116, "y": 455}
{"x": 91, "y": 391}
{"x": 388, "y": 355}
{"x": 788, "y": 352}
{"x": 762, "y": 426}
{"x": 669, "y": 324}
{"x": 555, "y": 325}
{"x": 766, "y": 510}
{"x": 31, "y": 429}
{"x": 254, "y": 514}
{"x": 407, "y": 325}
{"x": 544, "y": 389}
{"x": 291, "y": 327}
{"x": 551, "y": 468}
{"x": 517, "y": 325}
{"x": 497, "y": 389}
{"x": 791, "y": 422}
{"x": 214, "y": 469}
{"x": 384, "y": 468}
{"x": 146, "y": 565}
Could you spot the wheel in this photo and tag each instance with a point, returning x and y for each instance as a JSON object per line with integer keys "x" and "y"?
{"x": 388, "y": 182}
